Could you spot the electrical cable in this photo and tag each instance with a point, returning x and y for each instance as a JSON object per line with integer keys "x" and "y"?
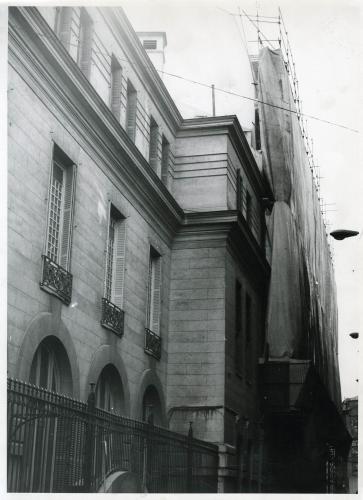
{"x": 229, "y": 92}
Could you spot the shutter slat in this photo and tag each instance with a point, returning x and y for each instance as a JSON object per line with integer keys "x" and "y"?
{"x": 154, "y": 143}
{"x": 131, "y": 111}
{"x": 69, "y": 189}
{"x": 156, "y": 295}
{"x": 119, "y": 265}
{"x": 64, "y": 27}
{"x": 116, "y": 88}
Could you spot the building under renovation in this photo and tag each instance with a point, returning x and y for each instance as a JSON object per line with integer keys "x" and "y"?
{"x": 172, "y": 320}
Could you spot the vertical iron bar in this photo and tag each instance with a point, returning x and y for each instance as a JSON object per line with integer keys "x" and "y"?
{"x": 89, "y": 440}
{"x": 190, "y": 459}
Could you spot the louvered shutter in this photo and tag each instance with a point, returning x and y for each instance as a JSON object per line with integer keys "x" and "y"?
{"x": 64, "y": 26}
{"x": 105, "y": 292}
{"x": 67, "y": 225}
{"x": 156, "y": 295}
{"x": 149, "y": 293}
{"x": 116, "y": 88}
{"x": 85, "y": 43}
{"x": 165, "y": 162}
{"x": 154, "y": 143}
{"x": 131, "y": 112}
{"x": 239, "y": 190}
{"x": 119, "y": 263}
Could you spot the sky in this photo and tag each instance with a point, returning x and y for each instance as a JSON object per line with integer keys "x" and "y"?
{"x": 204, "y": 44}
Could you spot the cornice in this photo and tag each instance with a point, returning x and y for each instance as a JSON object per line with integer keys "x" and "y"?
{"x": 227, "y": 226}
{"x": 59, "y": 83}
{"x": 142, "y": 65}
{"x": 229, "y": 124}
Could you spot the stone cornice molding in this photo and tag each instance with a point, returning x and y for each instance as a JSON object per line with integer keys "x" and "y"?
{"x": 230, "y": 228}
{"x": 229, "y": 125}
{"x": 141, "y": 63}
{"x": 56, "y": 79}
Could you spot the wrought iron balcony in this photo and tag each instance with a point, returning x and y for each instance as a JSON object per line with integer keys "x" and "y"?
{"x": 152, "y": 344}
{"x": 56, "y": 280}
{"x": 112, "y": 317}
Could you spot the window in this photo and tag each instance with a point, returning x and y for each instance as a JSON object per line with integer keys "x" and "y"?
{"x": 149, "y": 44}
{"x": 112, "y": 314}
{"x": 257, "y": 130}
{"x": 154, "y": 289}
{"x": 84, "y": 55}
{"x": 116, "y": 87}
{"x": 109, "y": 391}
{"x": 248, "y": 209}
{"x": 248, "y": 350}
{"x": 154, "y": 143}
{"x": 165, "y": 153}
{"x": 115, "y": 257}
{"x": 131, "y": 110}
{"x": 238, "y": 327}
{"x": 63, "y": 24}
{"x": 60, "y": 211}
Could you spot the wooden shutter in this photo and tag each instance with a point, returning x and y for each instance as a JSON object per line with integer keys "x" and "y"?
{"x": 64, "y": 25}
{"x": 116, "y": 87}
{"x": 165, "y": 161}
{"x": 67, "y": 223}
{"x": 239, "y": 190}
{"x": 131, "y": 111}
{"x": 85, "y": 43}
{"x": 156, "y": 295}
{"x": 154, "y": 142}
{"x": 119, "y": 263}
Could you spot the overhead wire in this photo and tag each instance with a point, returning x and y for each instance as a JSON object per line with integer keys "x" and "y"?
{"x": 229, "y": 92}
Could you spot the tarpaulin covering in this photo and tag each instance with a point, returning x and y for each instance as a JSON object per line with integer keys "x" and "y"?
{"x": 302, "y": 310}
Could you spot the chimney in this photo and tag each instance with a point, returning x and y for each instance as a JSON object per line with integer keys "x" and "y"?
{"x": 154, "y": 42}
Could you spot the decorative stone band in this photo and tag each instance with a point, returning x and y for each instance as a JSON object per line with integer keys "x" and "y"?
{"x": 152, "y": 344}
{"x": 112, "y": 317}
{"x": 56, "y": 280}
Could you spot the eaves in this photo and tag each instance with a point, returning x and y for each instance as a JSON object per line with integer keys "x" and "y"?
{"x": 58, "y": 82}
{"x": 229, "y": 125}
{"x": 142, "y": 65}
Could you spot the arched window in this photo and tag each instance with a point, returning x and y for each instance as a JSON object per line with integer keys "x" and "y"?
{"x": 50, "y": 367}
{"x": 109, "y": 391}
{"x": 151, "y": 406}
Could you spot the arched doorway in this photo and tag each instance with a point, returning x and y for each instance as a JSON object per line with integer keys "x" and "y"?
{"x": 50, "y": 367}
{"x": 47, "y": 436}
{"x": 151, "y": 406}
{"x": 109, "y": 391}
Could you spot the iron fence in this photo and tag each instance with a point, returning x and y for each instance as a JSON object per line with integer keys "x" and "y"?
{"x": 58, "y": 444}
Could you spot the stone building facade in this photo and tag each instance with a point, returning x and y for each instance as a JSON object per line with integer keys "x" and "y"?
{"x": 137, "y": 253}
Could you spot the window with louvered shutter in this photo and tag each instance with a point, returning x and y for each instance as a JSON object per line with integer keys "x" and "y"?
{"x": 238, "y": 327}
{"x": 131, "y": 110}
{"x": 85, "y": 43}
{"x": 116, "y": 87}
{"x": 115, "y": 258}
{"x": 60, "y": 209}
{"x": 154, "y": 142}
{"x": 63, "y": 25}
{"x": 165, "y": 153}
{"x": 154, "y": 292}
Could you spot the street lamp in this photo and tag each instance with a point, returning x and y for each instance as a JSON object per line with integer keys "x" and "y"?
{"x": 341, "y": 234}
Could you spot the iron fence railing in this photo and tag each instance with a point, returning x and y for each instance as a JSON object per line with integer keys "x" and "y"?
{"x": 58, "y": 444}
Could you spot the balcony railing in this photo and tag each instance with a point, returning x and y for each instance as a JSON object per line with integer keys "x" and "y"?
{"x": 112, "y": 317}
{"x": 58, "y": 444}
{"x": 152, "y": 343}
{"x": 56, "y": 280}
